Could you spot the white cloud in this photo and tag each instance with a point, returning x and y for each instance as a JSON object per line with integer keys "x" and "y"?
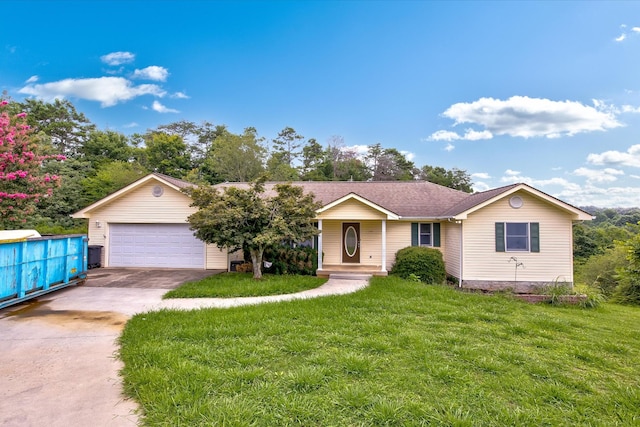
{"x": 521, "y": 116}
{"x": 444, "y": 135}
{"x": 32, "y": 79}
{"x": 108, "y": 91}
{"x": 513, "y": 177}
{"x": 630, "y": 109}
{"x": 131, "y": 125}
{"x": 469, "y": 135}
{"x": 449, "y": 148}
{"x": 635, "y": 176}
{"x": 180, "y": 95}
{"x": 621, "y": 37}
{"x": 594, "y": 175}
{"x": 118, "y": 58}
{"x": 635, "y": 29}
{"x": 473, "y": 135}
{"x": 617, "y": 158}
{"x": 152, "y": 72}
{"x": 157, "y": 106}
{"x": 480, "y": 186}
{"x": 603, "y": 197}
{"x": 480, "y": 175}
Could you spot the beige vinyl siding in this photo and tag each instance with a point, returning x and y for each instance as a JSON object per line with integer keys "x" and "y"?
{"x": 216, "y": 259}
{"x": 450, "y": 235}
{"x": 553, "y": 262}
{"x": 140, "y": 206}
{"x": 398, "y": 237}
{"x": 352, "y": 210}
{"x": 331, "y": 242}
{"x": 371, "y": 242}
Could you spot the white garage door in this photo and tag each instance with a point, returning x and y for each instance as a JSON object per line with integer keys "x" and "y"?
{"x": 154, "y": 245}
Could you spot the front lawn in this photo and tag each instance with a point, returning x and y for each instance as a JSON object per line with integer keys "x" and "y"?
{"x": 230, "y": 285}
{"x": 396, "y": 353}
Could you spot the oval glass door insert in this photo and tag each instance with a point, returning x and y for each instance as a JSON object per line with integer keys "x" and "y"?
{"x": 350, "y": 241}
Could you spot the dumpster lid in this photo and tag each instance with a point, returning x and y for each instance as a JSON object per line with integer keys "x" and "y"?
{"x": 7, "y": 236}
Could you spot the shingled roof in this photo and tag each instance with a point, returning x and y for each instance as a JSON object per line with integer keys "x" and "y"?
{"x": 407, "y": 199}
{"x": 175, "y": 181}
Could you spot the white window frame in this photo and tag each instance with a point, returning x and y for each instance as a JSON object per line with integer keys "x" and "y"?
{"x": 527, "y": 237}
{"x": 430, "y": 234}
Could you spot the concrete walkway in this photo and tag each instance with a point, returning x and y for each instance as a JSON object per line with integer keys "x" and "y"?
{"x": 58, "y": 364}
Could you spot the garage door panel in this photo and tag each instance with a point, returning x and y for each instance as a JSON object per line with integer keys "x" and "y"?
{"x": 154, "y": 245}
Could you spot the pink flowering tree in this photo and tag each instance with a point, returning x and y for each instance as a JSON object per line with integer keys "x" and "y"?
{"x": 22, "y": 181}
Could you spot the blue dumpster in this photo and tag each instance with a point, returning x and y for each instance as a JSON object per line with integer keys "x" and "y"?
{"x": 35, "y": 266}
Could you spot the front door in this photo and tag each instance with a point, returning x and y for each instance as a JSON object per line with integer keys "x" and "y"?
{"x": 351, "y": 242}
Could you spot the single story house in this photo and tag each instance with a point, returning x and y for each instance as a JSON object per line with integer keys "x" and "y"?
{"x": 512, "y": 237}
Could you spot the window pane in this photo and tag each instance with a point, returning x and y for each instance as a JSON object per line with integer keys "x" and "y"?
{"x": 425, "y": 234}
{"x": 517, "y": 228}
{"x": 517, "y": 236}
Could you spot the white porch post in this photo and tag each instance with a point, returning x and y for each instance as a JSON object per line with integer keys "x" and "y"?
{"x": 384, "y": 245}
{"x": 319, "y": 248}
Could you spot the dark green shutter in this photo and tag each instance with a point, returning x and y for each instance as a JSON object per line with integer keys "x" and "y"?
{"x": 499, "y": 236}
{"x": 414, "y": 234}
{"x": 436, "y": 234}
{"x": 534, "y": 228}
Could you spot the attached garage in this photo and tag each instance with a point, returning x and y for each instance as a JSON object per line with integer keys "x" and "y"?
{"x": 145, "y": 225}
{"x": 155, "y": 245}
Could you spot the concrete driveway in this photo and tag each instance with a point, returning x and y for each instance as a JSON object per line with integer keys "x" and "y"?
{"x": 57, "y": 357}
{"x": 58, "y": 364}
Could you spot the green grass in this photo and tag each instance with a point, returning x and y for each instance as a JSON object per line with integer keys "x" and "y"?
{"x": 395, "y": 354}
{"x": 229, "y": 285}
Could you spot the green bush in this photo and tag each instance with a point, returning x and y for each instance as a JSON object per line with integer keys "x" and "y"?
{"x": 627, "y": 292}
{"x": 416, "y": 261}
{"x": 601, "y": 270}
{"x": 287, "y": 260}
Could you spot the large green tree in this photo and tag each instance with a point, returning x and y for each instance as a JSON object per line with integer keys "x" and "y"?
{"x": 198, "y": 137}
{"x": 628, "y": 290}
{"x": 390, "y": 165}
{"x": 236, "y": 158}
{"x": 166, "y": 154}
{"x": 314, "y": 162}
{"x": 102, "y": 147}
{"x": 67, "y": 128}
{"x": 457, "y": 179}
{"x": 238, "y": 218}
{"x": 111, "y": 177}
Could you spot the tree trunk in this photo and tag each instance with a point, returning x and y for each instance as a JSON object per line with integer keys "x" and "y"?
{"x": 256, "y": 260}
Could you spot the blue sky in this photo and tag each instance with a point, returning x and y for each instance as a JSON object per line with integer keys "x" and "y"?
{"x": 546, "y": 93}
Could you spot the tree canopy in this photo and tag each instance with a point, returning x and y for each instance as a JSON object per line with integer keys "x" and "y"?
{"x": 24, "y": 181}
{"x": 248, "y": 219}
{"x": 98, "y": 161}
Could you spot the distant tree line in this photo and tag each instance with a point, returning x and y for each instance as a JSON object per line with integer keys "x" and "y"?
{"x": 99, "y": 162}
{"x": 607, "y": 253}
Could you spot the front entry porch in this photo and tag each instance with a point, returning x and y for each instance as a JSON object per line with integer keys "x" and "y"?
{"x": 373, "y": 270}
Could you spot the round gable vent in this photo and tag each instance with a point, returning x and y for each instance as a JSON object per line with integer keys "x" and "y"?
{"x": 516, "y": 202}
{"x": 157, "y": 191}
